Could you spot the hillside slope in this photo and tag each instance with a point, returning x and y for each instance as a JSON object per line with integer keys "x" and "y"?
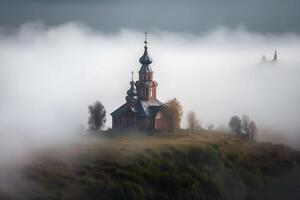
{"x": 204, "y": 166}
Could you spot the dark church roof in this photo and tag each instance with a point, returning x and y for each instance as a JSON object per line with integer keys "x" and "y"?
{"x": 151, "y": 107}
{"x": 141, "y": 108}
{"x": 145, "y": 60}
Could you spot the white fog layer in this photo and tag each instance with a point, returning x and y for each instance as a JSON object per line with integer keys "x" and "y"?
{"x": 49, "y": 76}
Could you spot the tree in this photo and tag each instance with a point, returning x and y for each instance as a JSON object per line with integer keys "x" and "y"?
{"x": 172, "y": 113}
{"x": 210, "y": 127}
{"x": 192, "y": 120}
{"x": 97, "y": 116}
{"x": 245, "y": 124}
{"x": 252, "y": 131}
{"x": 235, "y": 125}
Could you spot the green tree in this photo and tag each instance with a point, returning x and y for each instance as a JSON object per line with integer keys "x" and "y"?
{"x": 97, "y": 116}
{"x": 172, "y": 113}
{"x": 235, "y": 125}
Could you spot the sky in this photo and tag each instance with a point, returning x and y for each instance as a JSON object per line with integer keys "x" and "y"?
{"x": 190, "y": 16}
{"x": 58, "y": 57}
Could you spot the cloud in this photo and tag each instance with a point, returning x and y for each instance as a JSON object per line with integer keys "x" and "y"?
{"x": 49, "y": 75}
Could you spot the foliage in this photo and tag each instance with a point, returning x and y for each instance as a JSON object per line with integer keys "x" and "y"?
{"x": 252, "y": 130}
{"x": 179, "y": 171}
{"x": 193, "y": 122}
{"x": 244, "y": 128}
{"x": 245, "y": 123}
{"x": 172, "y": 113}
{"x": 97, "y": 116}
{"x": 235, "y": 125}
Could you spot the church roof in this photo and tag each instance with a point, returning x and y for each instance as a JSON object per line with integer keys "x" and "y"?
{"x": 146, "y": 108}
{"x": 145, "y": 59}
{"x": 151, "y": 107}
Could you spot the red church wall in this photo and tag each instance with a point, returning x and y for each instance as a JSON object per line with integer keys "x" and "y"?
{"x": 160, "y": 123}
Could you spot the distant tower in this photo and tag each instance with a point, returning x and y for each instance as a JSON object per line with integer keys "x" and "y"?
{"x": 275, "y": 56}
{"x": 146, "y": 87}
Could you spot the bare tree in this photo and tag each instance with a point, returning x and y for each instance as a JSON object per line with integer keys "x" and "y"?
{"x": 192, "y": 121}
{"x": 252, "y": 131}
{"x": 245, "y": 124}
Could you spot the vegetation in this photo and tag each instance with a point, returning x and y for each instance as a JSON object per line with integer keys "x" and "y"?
{"x": 193, "y": 122}
{"x": 204, "y": 166}
{"x": 172, "y": 113}
{"x": 97, "y": 116}
{"x": 235, "y": 125}
{"x": 244, "y": 128}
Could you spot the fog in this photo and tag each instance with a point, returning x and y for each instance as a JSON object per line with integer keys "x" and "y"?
{"x": 49, "y": 75}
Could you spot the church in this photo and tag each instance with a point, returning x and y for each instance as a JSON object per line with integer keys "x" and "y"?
{"x": 142, "y": 109}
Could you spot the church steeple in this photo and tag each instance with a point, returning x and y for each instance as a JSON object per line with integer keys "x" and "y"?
{"x": 146, "y": 87}
{"x": 131, "y": 93}
{"x": 275, "y": 56}
{"x": 145, "y": 60}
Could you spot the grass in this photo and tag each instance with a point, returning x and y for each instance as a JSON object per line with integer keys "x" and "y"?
{"x": 204, "y": 166}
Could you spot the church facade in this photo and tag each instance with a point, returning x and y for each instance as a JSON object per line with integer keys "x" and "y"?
{"x": 142, "y": 110}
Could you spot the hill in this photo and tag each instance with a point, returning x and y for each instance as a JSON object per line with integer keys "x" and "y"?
{"x": 204, "y": 166}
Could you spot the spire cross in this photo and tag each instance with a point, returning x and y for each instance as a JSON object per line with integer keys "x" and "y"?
{"x": 132, "y": 75}
{"x": 145, "y": 42}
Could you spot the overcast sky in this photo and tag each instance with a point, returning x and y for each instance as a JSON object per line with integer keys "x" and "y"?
{"x": 192, "y": 16}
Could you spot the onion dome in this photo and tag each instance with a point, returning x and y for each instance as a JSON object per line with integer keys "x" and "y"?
{"x": 145, "y": 60}
{"x": 131, "y": 93}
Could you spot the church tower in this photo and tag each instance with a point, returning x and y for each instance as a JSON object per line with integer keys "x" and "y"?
{"x": 146, "y": 87}
{"x": 275, "y": 56}
{"x": 142, "y": 109}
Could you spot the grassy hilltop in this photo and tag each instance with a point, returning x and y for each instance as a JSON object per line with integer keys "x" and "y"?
{"x": 204, "y": 166}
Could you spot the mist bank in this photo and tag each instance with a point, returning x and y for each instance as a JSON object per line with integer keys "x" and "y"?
{"x": 49, "y": 75}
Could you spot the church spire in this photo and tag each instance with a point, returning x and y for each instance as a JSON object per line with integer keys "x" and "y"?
{"x": 146, "y": 59}
{"x": 145, "y": 41}
{"x": 145, "y": 86}
{"x": 132, "y": 75}
{"x": 131, "y": 93}
{"x": 275, "y": 56}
